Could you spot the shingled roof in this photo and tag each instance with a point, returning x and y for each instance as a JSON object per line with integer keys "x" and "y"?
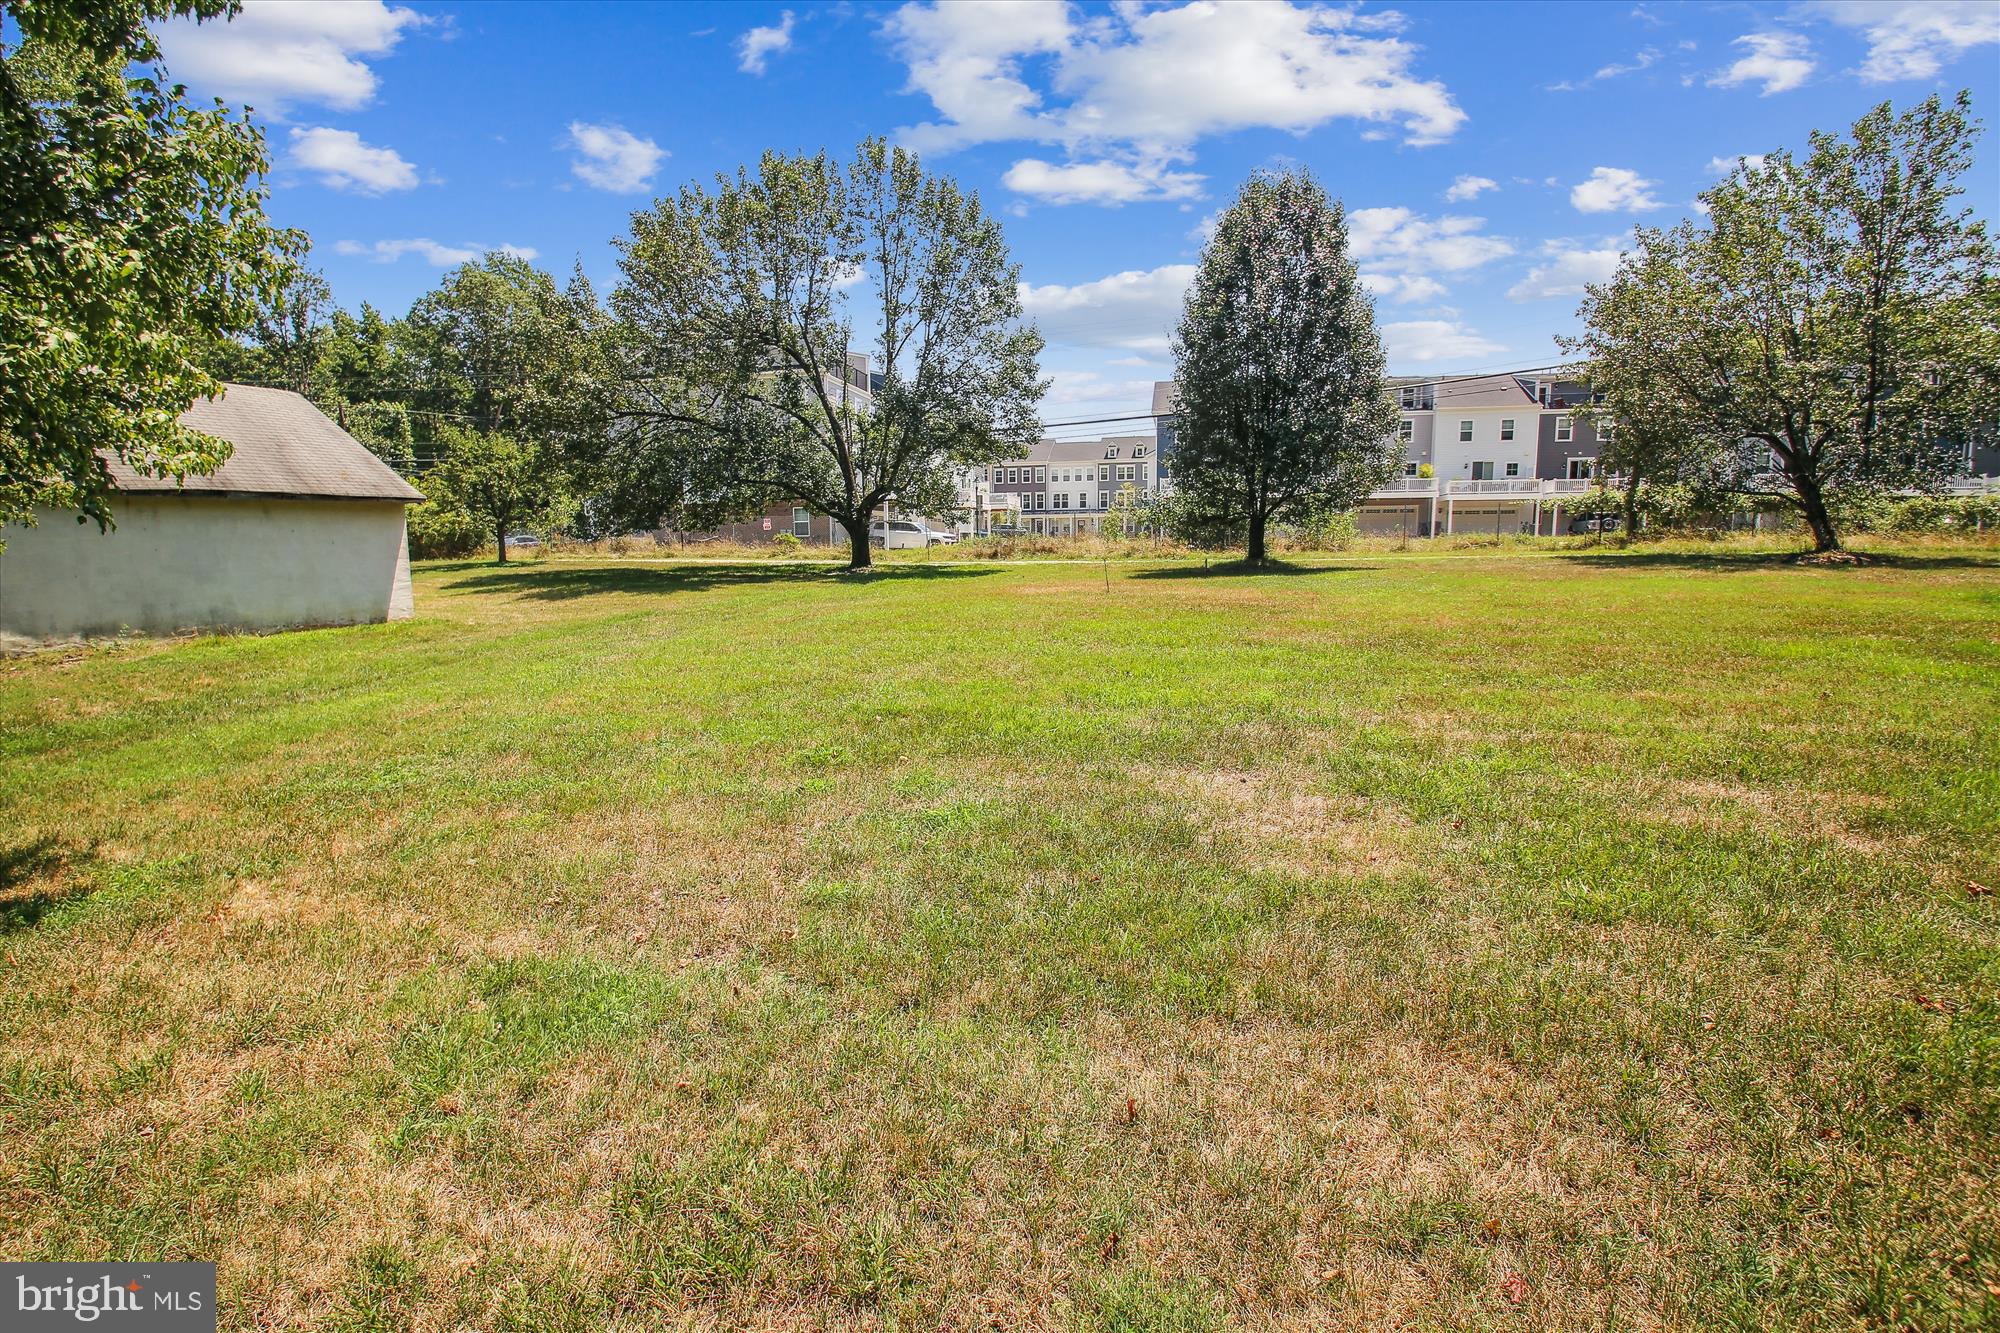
{"x": 281, "y": 445}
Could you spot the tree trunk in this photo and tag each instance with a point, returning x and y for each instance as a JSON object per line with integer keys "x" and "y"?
{"x": 1812, "y": 503}
{"x": 859, "y": 557}
{"x": 500, "y": 535}
{"x": 1632, "y": 506}
{"x": 1255, "y": 553}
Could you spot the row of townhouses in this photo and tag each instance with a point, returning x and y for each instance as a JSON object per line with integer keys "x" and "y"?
{"x": 1480, "y": 454}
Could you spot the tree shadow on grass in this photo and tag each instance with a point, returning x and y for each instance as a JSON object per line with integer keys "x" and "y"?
{"x": 1745, "y": 562}
{"x": 562, "y": 582}
{"x": 1237, "y": 569}
{"x": 40, "y": 861}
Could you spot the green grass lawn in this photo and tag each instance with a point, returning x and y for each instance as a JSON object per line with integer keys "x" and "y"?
{"x": 1475, "y": 941}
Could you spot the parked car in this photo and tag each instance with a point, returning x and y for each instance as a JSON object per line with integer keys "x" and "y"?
{"x": 908, "y": 534}
{"x": 523, "y": 539}
{"x": 1583, "y": 523}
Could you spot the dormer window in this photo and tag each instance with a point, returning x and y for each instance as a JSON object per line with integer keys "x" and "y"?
{"x": 1112, "y": 452}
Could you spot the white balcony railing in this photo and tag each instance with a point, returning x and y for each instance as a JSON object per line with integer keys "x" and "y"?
{"x": 1496, "y": 486}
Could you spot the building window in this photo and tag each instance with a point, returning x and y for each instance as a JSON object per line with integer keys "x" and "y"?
{"x": 1041, "y": 475}
{"x": 1145, "y": 494}
{"x": 1563, "y": 430}
{"x": 1506, "y": 428}
{"x": 1406, "y": 430}
{"x": 1580, "y": 469}
{"x": 1125, "y": 472}
{"x": 1112, "y": 452}
{"x": 1482, "y": 472}
{"x": 1013, "y": 476}
{"x": 802, "y": 524}
{"x": 1513, "y": 469}
{"x": 1062, "y": 499}
{"x": 1410, "y": 468}
{"x": 1104, "y": 499}
{"x": 1104, "y": 472}
{"x": 1041, "y": 500}
{"x": 1465, "y": 432}
{"x": 1608, "y": 431}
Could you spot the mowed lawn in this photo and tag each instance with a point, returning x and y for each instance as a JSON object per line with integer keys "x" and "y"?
{"x": 1508, "y": 941}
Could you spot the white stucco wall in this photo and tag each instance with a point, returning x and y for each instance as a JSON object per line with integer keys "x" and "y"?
{"x": 179, "y": 562}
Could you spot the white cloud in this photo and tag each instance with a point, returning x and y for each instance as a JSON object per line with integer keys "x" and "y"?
{"x": 1103, "y": 182}
{"x": 1204, "y": 230}
{"x": 1403, "y": 288}
{"x": 1421, "y": 341}
{"x": 1150, "y": 82}
{"x": 1132, "y": 311}
{"x": 612, "y": 158}
{"x": 1610, "y": 189}
{"x": 1395, "y": 240}
{"x": 1073, "y": 388}
{"x": 341, "y": 160}
{"x": 1778, "y": 60}
{"x": 1722, "y": 166}
{"x": 1644, "y": 59}
{"x": 1914, "y": 39}
{"x": 432, "y": 252}
{"x": 1568, "y": 267}
{"x": 758, "y": 45}
{"x": 281, "y": 51}
{"x": 1469, "y": 187}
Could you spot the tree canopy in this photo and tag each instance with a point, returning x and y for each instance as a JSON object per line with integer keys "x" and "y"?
{"x": 132, "y": 238}
{"x": 737, "y": 382}
{"x": 1284, "y": 411}
{"x": 1831, "y": 330}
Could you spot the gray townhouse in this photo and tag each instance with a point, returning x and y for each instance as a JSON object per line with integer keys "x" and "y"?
{"x": 1064, "y": 487}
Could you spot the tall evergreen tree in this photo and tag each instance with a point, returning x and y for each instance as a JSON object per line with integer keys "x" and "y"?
{"x": 1284, "y": 412}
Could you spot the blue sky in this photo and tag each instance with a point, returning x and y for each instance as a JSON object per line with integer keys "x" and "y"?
{"x": 1493, "y": 156}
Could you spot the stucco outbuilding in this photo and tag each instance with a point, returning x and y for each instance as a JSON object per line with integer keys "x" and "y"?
{"x": 300, "y": 526}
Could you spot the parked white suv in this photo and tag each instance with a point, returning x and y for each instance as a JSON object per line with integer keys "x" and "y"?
{"x": 907, "y": 534}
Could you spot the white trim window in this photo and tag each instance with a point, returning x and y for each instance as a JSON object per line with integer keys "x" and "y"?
{"x": 1513, "y": 469}
{"x": 1565, "y": 430}
{"x": 1506, "y": 428}
{"x": 802, "y": 523}
{"x": 1582, "y": 469}
{"x": 1465, "y": 432}
{"x": 1104, "y": 499}
{"x": 1062, "y": 500}
{"x": 1406, "y": 429}
{"x": 1125, "y": 471}
{"x": 1041, "y": 476}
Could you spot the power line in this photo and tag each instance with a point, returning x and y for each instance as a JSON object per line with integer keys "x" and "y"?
{"x": 1413, "y": 383}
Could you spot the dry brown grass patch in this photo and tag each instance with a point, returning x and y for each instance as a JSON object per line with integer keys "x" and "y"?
{"x": 1292, "y": 828}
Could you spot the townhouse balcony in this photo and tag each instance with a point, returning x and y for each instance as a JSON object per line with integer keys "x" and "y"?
{"x": 1495, "y": 486}
{"x": 1438, "y": 488}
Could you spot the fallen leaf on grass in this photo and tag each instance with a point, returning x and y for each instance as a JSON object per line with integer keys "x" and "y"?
{"x": 1515, "y": 1288}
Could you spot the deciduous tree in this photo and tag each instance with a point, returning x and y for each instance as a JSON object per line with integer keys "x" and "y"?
{"x": 1831, "y": 330}
{"x": 132, "y": 239}
{"x": 1284, "y": 410}
{"x": 501, "y": 480}
{"x": 736, "y": 387}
